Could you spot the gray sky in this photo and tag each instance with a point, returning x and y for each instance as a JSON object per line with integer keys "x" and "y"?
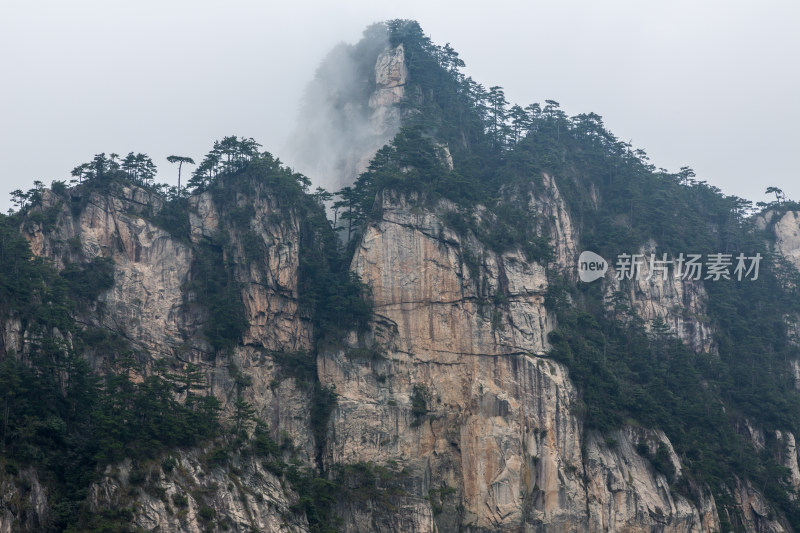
{"x": 710, "y": 84}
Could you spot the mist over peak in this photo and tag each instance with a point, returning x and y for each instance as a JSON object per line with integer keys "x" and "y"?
{"x": 349, "y": 109}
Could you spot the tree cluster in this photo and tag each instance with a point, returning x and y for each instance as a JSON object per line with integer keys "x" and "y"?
{"x": 227, "y": 156}
{"x": 138, "y": 168}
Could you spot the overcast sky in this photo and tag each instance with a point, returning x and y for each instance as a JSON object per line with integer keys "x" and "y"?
{"x": 710, "y": 84}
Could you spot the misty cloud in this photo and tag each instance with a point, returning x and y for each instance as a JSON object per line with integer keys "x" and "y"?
{"x": 343, "y": 120}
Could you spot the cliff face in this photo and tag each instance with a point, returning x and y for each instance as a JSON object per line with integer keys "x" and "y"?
{"x": 456, "y": 392}
{"x": 783, "y": 230}
{"x": 787, "y": 236}
{"x": 499, "y": 435}
{"x": 497, "y": 443}
{"x": 440, "y": 282}
{"x": 679, "y": 303}
{"x": 191, "y": 496}
{"x": 147, "y": 303}
{"x": 23, "y": 503}
{"x": 151, "y": 306}
{"x": 557, "y": 226}
{"x": 391, "y": 76}
{"x": 150, "y": 265}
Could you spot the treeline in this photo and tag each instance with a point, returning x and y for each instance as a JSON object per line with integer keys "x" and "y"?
{"x": 481, "y": 128}
{"x": 100, "y": 172}
{"x": 227, "y": 156}
{"x": 137, "y": 167}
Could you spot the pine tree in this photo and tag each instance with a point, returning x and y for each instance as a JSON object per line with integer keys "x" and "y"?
{"x": 180, "y": 160}
{"x": 243, "y": 415}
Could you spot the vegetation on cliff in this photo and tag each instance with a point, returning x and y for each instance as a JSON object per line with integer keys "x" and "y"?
{"x": 627, "y": 371}
{"x": 69, "y": 422}
{"x": 57, "y": 414}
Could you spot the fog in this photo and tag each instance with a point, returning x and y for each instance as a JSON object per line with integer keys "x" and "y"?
{"x": 336, "y": 132}
{"x": 712, "y": 85}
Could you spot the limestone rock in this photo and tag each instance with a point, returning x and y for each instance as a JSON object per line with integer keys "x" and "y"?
{"x": 433, "y": 284}
{"x": 499, "y": 427}
{"x": 241, "y": 497}
{"x": 680, "y": 303}
{"x": 787, "y": 237}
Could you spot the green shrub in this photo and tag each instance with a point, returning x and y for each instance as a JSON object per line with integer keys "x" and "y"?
{"x": 206, "y": 513}
{"x": 168, "y": 464}
{"x": 180, "y": 500}
{"x": 419, "y": 404}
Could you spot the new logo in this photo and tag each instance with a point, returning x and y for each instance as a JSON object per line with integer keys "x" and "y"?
{"x": 591, "y": 267}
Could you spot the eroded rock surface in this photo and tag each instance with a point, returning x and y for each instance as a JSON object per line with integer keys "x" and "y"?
{"x": 499, "y": 432}
{"x": 190, "y": 496}
{"x": 787, "y": 236}
{"x": 442, "y": 288}
{"x": 679, "y": 303}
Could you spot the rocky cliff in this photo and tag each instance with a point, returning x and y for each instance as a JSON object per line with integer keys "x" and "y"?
{"x": 456, "y": 392}
{"x": 151, "y": 306}
{"x": 785, "y": 230}
{"x": 450, "y": 386}
{"x": 499, "y": 434}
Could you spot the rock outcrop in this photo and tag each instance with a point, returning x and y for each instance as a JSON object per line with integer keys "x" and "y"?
{"x": 440, "y": 282}
{"x": 190, "y": 496}
{"x": 679, "y": 303}
{"x": 557, "y": 225}
{"x": 786, "y": 230}
{"x": 498, "y": 432}
{"x": 756, "y": 513}
{"x": 23, "y": 502}
{"x": 150, "y": 264}
{"x": 150, "y": 304}
{"x": 391, "y": 76}
{"x": 344, "y": 122}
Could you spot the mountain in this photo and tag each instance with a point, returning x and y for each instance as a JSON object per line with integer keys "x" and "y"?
{"x": 417, "y": 353}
